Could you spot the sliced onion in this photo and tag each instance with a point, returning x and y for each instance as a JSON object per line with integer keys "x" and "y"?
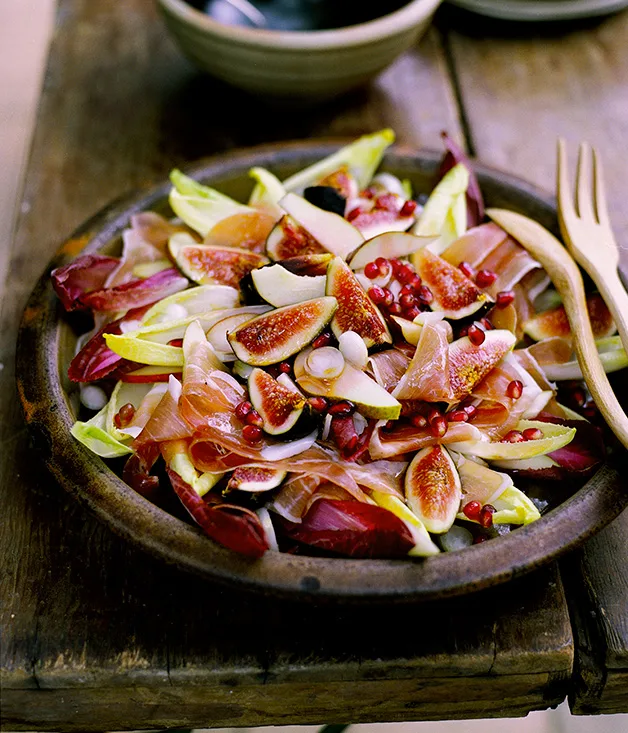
{"x": 281, "y": 451}
{"x": 457, "y": 538}
{"x": 269, "y": 530}
{"x": 93, "y": 397}
{"x": 325, "y": 363}
{"x": 359, "y": 422}
{"x": 327, "y": 426}
{"x": 353, "y": 349}
{"x": 174, "y": 387}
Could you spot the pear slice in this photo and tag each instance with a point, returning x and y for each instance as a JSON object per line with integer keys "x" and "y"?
{"x": 279, "y": 286}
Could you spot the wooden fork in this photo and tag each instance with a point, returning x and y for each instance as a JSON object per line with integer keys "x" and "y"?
{"x": 587, "y": 232}
{"x": 565, "y": 275}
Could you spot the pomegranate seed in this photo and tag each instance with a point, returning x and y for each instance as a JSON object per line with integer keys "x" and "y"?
{"x": 342, "y": 409}
{"x": 354, "y": 213}
{"x": 514, "y": 436}
{"x": 394, "y": 309}
{"x": 578, "y": 396}
{"x": 407, "y": 300}
{"x": 415, "y": 283}
{"x": 368, "y": 193}
{"x": 438, "y": 427}
{"x": 457, "y": 416}
{"x": 485, "y": 278}
{"x": 323, "y": 340}
{"x": 514, "y": 390}
{"x": 464, "y": 331}
{"x": 590, "y": 411}
{"x": 411, "y": 313}
{"x": 406, "y": 290}
{"x": 383, "y": 265}
{"x": 124, "y": 415}
{"x": 318, "y": 404}
{"x": 466, "y": 269}
{"x": 389, "y": 298}
{"x": 351, "y": 445}
{"x": 145, "y": 484}
{"x": 377, "y": 294}
{"x": 504, "y": 298}
{"x": 418, "y": 421}
{"x": 432, "y": 414}
{"x": 390, "y": 425}
{"x": 472, "y": 510}
{"x": 408, "y": 208}
{"x": 405, "y": 274}
{"x": 471, "y": 411}
{"x": 396, "y": 265}
{"x": 486, "y": 324}
{"x": 285, "y": 367}
{"x": 532, "y": 434}
{"x": 476, "y": 335}
{"x": 243, "y": 409}
{"x": 175, "y": 342}
{"x": 254, "y": 418}
{"x": 425, "y": 294}
{"x": 371, "y": 270}
{"x": 252, "y": 434}
{"x": 479, "y": 539}
{"x": 486, "y": 515}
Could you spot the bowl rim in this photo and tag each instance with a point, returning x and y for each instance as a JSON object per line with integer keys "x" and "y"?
{"x": 385, "y": 26}
{"x": 47, "y": 412}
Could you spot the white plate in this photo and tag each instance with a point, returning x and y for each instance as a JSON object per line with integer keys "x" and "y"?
{"x": 531, "y": 10}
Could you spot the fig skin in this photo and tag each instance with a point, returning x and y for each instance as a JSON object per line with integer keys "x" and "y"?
{"x": 279, "y": 407}
{"x": 289, "y": 239}
{"x": 356, "y": 311}
{"x": 554, "y": 322}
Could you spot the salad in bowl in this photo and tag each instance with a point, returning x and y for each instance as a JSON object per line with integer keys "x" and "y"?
{"x": 337, "y": 367}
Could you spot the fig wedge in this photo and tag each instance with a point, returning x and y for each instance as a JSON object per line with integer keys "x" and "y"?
{"x": 432, "y": 488}
{"x": 278, "y": 286}
{"x": 356, "y": 311}
{"x": 554, "y": 322}
{"x": 310, "y": 265}
{"x": 277, "y": 335}
{"x": 279, "y": 406}
{"x": 207, "y": 265}
{"x": 289, "y": 239}
{"x": 255, "y": 479}
{"x": 455, "y": 295}
{"x": 332, "y": 232}
{"x": 469, "y": 364}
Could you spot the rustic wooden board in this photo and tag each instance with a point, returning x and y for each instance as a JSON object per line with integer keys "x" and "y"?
{"x": 98, "y": 636}
{"x": 598, "y": 588}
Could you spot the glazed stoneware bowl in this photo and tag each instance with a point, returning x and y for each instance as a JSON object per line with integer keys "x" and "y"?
{"x": 295, "y": 65}
{"x": 47, "y": 343}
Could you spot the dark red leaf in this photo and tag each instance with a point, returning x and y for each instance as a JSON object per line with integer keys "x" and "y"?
{"x": 352, "y": 529}
{"x": 136, "y": 293}
{"x": 475, "y": 201}
{"x": 86, "y": 273}
{"x": 234, "y": 527}
{"x": 584, "y": 452}
{"x": 96, "y": 360}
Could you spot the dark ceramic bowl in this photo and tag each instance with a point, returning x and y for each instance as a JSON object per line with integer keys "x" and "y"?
{"x": 46, "y": 345}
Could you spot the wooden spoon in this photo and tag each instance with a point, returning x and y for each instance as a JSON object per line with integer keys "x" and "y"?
{"x": 565, "y": 275}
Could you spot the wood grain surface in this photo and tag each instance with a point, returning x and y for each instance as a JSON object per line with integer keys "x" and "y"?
{"x": 98, "y": 636}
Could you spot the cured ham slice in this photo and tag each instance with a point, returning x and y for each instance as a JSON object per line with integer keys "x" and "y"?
{"x": 475, "y": 245}
{"x": 155, "y": 230}
{"x": 427, "y": 376}
{"x": 164, "y": 424}
{"x": 511, "y": 262}
{"x": 293, "y": 498}
{"x": 405, "y": 438}
{"x": 388, "y": 367}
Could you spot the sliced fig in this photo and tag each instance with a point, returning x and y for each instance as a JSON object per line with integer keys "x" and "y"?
{"x": 248, "y": 230}
{"x": 455, "y": 295}
{"x": 310, "y": 265}
{"x": 432, "y": 488}
{"x": 388, "y": 245}
{"x": 341, "y": 181}
{"x": 332, "y": 232}
{"x": 469, "y": 364}
{"x": 382, "y": 219}
{"x": 209, "y": 265}
{"x": 356, "y": 311}
{"x": 279, "y": 406}
{"x": 289, "y": 239}
{"x": 255, "y": 479}
{"x": 275, "y": 336}
{"x": 328, "y": 198}
{"x": 554, "y": 322}
{"x": 278, "y": 286}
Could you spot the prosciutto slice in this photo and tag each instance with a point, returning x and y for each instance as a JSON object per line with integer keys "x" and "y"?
{"x": 388, "y": 367}
{"x": 427, "y": 377}
{"x": 511, "y": 262}
{"x": 405, "y": 438}
{"x": 475, "y": 245}
{"x": 293, "y": 498}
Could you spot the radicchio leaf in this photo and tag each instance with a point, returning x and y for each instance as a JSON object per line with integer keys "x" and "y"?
{"x": 96, "y": 360}
{"x": 352, "y": 529}
{"x": 136, "y": 293}
{"x": 86, "y": 273}
{"x": 234, "y": 527}
{"x": 475, "y": 201}
{"x": 584, "y": 452}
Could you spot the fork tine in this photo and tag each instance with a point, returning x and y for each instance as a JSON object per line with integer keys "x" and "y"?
{"x": 563, "y": 192}
{"x": 584, "y": 183}
{"x": 600, "y": 191}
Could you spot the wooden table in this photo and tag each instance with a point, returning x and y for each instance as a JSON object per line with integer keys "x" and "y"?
{"x": 98, "y": 636}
